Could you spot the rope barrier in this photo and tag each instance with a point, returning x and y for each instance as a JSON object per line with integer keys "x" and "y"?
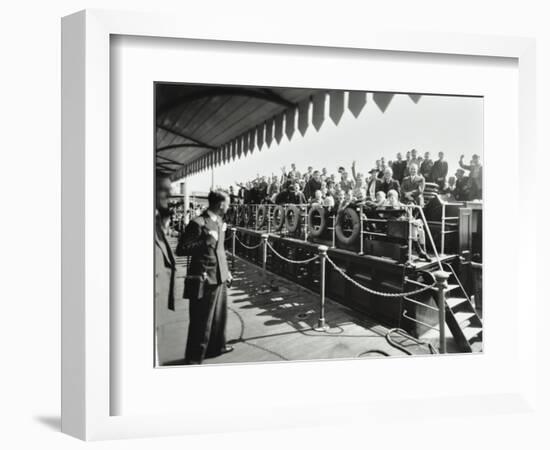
{"x": 247, "y": 246}
{"x": 304, "y": 261}
{"x": 372, "y": 291}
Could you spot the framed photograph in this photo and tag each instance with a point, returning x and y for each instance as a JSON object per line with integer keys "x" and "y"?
{"x": 254, "y": 219}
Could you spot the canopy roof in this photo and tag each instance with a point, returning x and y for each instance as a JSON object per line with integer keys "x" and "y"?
{"x": 201, "y": 126}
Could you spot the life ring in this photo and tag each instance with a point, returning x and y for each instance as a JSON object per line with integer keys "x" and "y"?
{"x": 348, "y": 214}
{"x": 278, "y": 217}
{"x": 261, "y": 216}
{"x": 322, "y": 214}
{"x": 292, "y": 218}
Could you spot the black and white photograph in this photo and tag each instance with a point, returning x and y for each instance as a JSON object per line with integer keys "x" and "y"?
{"x": 298, "y": 224}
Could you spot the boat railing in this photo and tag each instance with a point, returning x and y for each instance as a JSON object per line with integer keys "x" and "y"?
{"x": 249, "y": 216}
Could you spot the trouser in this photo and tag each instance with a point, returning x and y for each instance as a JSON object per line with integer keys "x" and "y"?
{"x": 207, "y": 321}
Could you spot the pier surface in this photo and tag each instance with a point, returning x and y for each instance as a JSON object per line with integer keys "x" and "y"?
{"x": 272, "y": 319}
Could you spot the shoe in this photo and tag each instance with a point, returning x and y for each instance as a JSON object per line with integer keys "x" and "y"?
{"x": 227, "y": 349}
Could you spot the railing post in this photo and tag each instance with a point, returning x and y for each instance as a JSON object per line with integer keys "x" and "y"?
{"x": 409, "y": 211}
{"x": 360, "y": 212}
{"x": 443, "y": 224}
{"x": 334, "y": 218}
{"x": 306, "y": 223}
{"x": 441, "y": 278}
{"x": 233, "y": 237}
{"x": 264, "y": 252}
{"x": 322, "y": 323}
{"x": 269, "y": 212}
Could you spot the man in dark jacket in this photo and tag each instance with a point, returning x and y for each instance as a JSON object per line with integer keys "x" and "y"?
{"x": 398, "y": 167}
{"x": 439, "y": 171}
{"x": 291, "y": 195}
{"x": 426, "y": 167}
{"x": 313, "y": 185}
{"x": 206, "y": 279}
{"x": 388, "y": 183}
{"x": 462, "y": 187}
{"x": 165, "y": 266}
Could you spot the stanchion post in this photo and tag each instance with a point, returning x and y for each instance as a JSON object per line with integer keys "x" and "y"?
{"x": 233, "y": 237}
{"x": 360, "y": 212}
{"x": 441, "y": 278}
{"x": 442, "y": 229}
{"x": 334, "y": 218}
{"x": 265, "y": 236}
{"x": 322, "y": 323}
{"x": 410, "y": 216}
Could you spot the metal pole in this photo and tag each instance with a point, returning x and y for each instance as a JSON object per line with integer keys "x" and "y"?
{"x": 306, "y": 223}
{"x": 269, "y": 211}
{"x": 441, "y": 278}
{"x": 264, "y": 253}
{"x": 233, "y": 236}
{"x": 443, "y": 229}
{"x": 334, "y": 218}
{"x": 360, "y": 211}
{"x": 409, "y": 209}
{"x": 322, "y": 323}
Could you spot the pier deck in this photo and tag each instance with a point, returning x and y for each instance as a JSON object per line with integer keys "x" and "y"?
{"x": 271, "y": 319}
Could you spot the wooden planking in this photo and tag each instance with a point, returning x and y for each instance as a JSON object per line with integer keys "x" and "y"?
{"x": 263, "y": 323}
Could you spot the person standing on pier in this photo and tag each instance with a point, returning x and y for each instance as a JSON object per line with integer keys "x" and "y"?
{"x": 206, "y": 281}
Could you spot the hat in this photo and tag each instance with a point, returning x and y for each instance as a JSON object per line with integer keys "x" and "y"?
{"x": 460, "y": 171}
{"x": 373, "y": 170}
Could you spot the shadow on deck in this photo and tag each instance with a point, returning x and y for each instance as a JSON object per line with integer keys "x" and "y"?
{"x": 272, "y": 319}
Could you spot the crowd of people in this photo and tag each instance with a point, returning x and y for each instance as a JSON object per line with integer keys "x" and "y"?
{"x": 388, "y": 183}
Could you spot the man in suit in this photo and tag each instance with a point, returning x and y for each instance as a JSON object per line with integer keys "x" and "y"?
{"x": 440, "y": 170}
{"x": 462, "y": 186}
{"x": 373, "y": 185}
{"x": 292, "y": 194}
{"x": 398, "y": 167}
{"x": 165, "y": 265}
{"x": 313, "y": 185}
{"x": 388, "y": 183}
{"x": 206, "y": 280}
{"x": 412, "y": 189}
{"x": 426, "y": 167}
{"x": 475, "y": 176}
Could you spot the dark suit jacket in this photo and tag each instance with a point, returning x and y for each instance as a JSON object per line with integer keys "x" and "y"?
{"x": 393, "y": 184}
{"x": 208, "y": 259}
{"x": 439, "y": 172}
{"x": 165, "y": 269}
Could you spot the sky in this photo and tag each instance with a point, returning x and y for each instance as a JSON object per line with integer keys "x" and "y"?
{"x": 450, "y": 124}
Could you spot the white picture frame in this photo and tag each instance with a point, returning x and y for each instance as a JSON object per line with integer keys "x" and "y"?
{"x": 86, "y": 319}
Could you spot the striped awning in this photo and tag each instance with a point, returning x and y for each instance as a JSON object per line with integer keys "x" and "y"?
{"x": 203, "y": 126}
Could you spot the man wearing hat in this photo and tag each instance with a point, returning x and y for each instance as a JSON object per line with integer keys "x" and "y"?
{"x": 292, "y": 195}
{"x": 475, "y": 176}
{"x": 462, "y": 187}
{"x": 373, "y": 186}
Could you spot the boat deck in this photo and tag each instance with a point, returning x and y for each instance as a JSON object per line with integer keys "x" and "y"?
{"x": 271, "y": 319}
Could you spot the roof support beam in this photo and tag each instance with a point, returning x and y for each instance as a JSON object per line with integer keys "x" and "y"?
{"x": 189, "y": 144}
{"x": 201, "y": 144}
{"x": 171, "y": 161}
{"x": 262, "y": 94}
